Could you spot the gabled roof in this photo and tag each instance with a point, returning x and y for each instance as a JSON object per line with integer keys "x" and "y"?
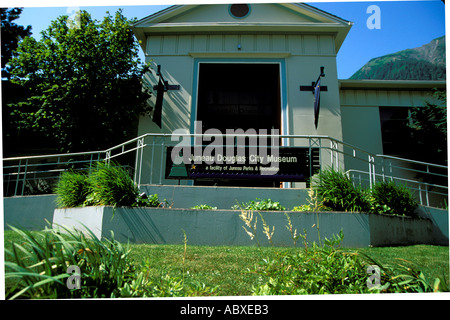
{"x": 264, "y": 18}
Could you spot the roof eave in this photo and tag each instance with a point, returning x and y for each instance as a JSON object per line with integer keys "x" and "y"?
{"x": 369, "y": 84}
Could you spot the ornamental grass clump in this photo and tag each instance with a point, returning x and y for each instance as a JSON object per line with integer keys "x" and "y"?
{"x": 111, "y": 185}
{"x": 106, "y": 184}
{"x": 72, "y": 189}
{"x": 336, "y": 191}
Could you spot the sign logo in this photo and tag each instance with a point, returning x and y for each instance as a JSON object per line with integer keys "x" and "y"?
{"x": 374, "y": 21}
{"x": 374, "y": 280}
{"x": 74, "y": 281}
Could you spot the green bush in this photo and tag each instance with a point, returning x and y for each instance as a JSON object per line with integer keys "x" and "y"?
{"x": 260, "y": 205}
{"x": 336, "y": 191}
{"x": 111, "y": 185}
{"x": 392, "y": 198}
{"x": 105, "y": 185}
{"x": 144, "y": 200}
{"x": 72, "y": 189}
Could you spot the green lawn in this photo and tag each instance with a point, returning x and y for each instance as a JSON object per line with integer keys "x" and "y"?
{"x": 228, "y": 267}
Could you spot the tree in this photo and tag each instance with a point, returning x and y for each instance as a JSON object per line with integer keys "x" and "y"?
{"x": 429, "y": 129}
{"x": 84, "y": 80}
{"x": 11, "y": 35}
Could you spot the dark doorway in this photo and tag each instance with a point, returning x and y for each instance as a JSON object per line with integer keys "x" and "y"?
{"x": 239, "y": 96}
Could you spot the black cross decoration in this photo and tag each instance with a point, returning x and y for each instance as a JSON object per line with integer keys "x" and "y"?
{"x": 315, "y": 88}
{"x": 161, "y": 87}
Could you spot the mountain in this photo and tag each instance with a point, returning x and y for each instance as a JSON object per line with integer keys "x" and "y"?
{"x": 424, "y": 63}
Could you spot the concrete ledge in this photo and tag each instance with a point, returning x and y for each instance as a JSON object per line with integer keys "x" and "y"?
{"x": 29, "y": 212}
{"x": 224, "y": 227}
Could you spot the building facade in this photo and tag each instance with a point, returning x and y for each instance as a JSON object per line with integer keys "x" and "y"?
{"x": 258, "y": 67}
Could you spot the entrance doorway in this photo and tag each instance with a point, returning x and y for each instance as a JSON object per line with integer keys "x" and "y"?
{"x": 239, "y": 96}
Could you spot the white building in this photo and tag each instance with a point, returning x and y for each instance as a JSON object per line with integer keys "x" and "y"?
{"x": 253, "y": 67}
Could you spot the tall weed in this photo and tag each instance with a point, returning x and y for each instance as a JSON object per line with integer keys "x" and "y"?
{"x": 326, "y": 268}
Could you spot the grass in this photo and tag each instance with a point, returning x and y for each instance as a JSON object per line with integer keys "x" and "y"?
{"x": 227, "y": 267}
{"x": 432, "y": 260}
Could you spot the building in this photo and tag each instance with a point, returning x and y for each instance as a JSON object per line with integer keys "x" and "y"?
{"x": 248, "y": 70}
{"x": 255, "y": 66}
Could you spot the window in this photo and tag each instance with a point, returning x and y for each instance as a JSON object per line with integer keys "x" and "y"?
{"x": 239, "y": 10}
{"x": 395, "y": 132}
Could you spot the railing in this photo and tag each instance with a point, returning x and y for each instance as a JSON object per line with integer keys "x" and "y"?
{"x": 146, "y": 155}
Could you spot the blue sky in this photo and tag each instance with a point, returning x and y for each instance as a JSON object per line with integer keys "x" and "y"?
{"x": 403, "y": 24}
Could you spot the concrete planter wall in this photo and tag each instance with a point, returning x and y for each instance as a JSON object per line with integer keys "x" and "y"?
{"x": 224, "y": 227}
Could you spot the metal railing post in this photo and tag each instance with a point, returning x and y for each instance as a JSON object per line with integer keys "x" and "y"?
{"x": 24, "y": 177}
{"x": 18, "y": 176}
{"x": 162, "y": 161}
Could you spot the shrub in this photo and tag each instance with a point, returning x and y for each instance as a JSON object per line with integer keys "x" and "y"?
{"x": 260, "y": 205}
{"x": 144, "y": 200}
{"x": 72, "y": 189}
{"x": 110, "y": 185}
{"x": 336, "y": 191}
{"x": 392, "y": 198}
{"x": 106, "y": 184}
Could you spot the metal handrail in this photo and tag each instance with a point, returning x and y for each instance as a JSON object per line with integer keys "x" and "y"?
{"x": 53, "y": 155}
{"x": 413, "y": 161}
{"x": 376, "y": 162}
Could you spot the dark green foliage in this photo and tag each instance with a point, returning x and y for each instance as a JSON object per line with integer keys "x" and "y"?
{"x": 11, "y": 34}
{"x": 423, "y": 63}
{"x": 72, "y": 189}
{"x": 84, "y": 82}
{"x": 394, "y": 198}
{"x": 429, "y": 129}
{"x": 336, "y": 191}
{"x": 407, "y": 69}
